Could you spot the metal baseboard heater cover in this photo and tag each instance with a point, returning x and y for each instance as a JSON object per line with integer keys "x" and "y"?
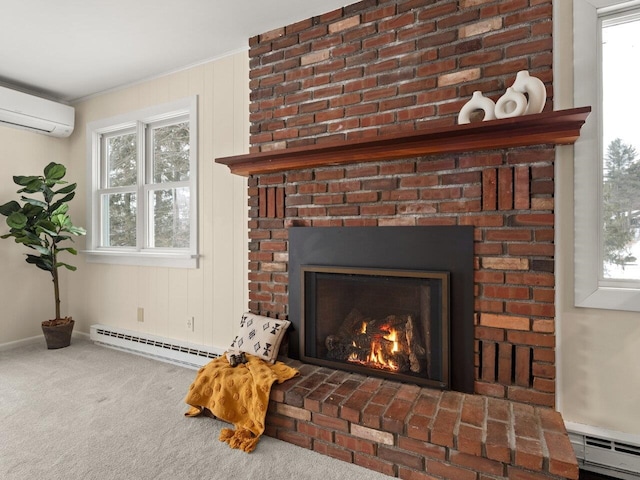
{"x": 164, "y": 349}
{"x": 608, "y": 457}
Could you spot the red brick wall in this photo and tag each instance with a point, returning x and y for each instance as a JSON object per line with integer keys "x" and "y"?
{"x": 378, "y": 67}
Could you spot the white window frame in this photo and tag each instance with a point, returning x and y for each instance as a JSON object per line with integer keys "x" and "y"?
{"x": 590, "y": 289}
{"x": 139, "y": 121}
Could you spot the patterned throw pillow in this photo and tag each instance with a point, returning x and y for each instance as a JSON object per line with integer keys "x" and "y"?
{"x": 260, "y": 336}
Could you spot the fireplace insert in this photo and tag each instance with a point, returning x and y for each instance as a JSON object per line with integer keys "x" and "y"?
{"x": 416, "y": 280}
{"x": 395, "y": 322}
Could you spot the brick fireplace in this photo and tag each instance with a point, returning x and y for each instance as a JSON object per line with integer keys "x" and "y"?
{"x": 507, "y": 196}
{"x": 391, "y": 70}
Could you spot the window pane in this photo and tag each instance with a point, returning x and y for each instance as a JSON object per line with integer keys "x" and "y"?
{"x": 122, "y": 168}
{"x": 621, "y": 161}
{"x": 170, "y": 216}
{"x": 171, "y": 153}
{"x": 119, "y": 214}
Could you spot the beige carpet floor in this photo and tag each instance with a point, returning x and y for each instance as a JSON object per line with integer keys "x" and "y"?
{"x": 89, "y": 412}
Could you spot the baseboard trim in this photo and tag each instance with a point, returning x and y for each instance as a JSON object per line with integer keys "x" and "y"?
{"x": 21, "y": 343}
{"x": 37, "y": 339}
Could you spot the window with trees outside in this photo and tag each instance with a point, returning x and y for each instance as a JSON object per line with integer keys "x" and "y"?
{"x": 143, "y": 201}
{"x": 607, "y": 167}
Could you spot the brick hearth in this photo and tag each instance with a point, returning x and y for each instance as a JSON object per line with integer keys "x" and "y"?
{"x": 404, "y": 431}
{"x": 381, "y": 67}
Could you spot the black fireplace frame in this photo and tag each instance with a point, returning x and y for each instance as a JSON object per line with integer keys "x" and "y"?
{"x": 429, "y": 248}
{"x": 443, "y": 377}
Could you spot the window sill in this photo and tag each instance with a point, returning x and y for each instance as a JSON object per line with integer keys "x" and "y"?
{"x": 608, "y": 298}
{"x": 143, "y": 259}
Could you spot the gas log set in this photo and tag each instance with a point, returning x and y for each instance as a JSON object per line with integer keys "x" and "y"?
{"x": 393, "y": 343}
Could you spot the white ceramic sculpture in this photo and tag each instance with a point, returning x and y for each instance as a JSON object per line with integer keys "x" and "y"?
{"x": 535, "y": 90}
{"x": 511, "y": 104}
{"x": 477, "y": 102}
{"x": 527, "y": 95}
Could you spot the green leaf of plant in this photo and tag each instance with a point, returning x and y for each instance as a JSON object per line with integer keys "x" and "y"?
{"x": 22, "y": 238}
{"x": 54, "y": 171}
{"x": 26, "y": 241}
{"x": 31, "y": 240}
{"x": 47, "y": 225}
{"x": 64, "y": 199}
{"x": 23, "y": 180}
{"x": 9, "y": 207}
{"x": 67, "y": 266}
{"x": 76, "y": 230}
{"x": 51, "y": 233}
{"x": 68, "y": 189}
{"x": 17, "y": 220}
{"x": 33, "y": 201}
{"x": 61, "y": 210}
{"x": 40, "y": 263}
{"x": 34, "y": 185}
{"x": 32, "y": 210}
{"x": 42, "y": 250}
{"x": 71, "y": 250}
{"x": 57, "y": 220}
{"x": 47, "y": 193}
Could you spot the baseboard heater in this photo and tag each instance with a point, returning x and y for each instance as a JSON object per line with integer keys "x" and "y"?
{"x": 165, "y": 349}
{"x": 606, "y": 456}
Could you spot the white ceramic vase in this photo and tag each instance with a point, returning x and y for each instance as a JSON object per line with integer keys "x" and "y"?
{"x": 511, "y": 104}
{"x": 477, "y": 102}
{"x": 535, "y": 90}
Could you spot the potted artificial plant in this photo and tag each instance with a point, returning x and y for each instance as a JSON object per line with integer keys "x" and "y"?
{"x": 44, "y": 226}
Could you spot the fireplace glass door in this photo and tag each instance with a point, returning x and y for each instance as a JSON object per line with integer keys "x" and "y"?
{"x": 388, "y": 323}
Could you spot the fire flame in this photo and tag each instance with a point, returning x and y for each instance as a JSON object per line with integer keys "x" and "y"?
{"x": 376, "y": 356}
{"x": 393, "y": 337}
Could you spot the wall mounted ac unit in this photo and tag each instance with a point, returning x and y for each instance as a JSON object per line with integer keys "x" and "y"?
{"x": 21, "y": 110}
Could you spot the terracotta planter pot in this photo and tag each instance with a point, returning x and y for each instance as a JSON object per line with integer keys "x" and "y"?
{"x": 57, "y": 333}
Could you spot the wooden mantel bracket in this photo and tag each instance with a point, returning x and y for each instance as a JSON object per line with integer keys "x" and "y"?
{"x": 558, "y": 128}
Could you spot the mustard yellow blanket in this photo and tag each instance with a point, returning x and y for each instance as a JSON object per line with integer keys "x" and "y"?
{"x": 238, "y": 395}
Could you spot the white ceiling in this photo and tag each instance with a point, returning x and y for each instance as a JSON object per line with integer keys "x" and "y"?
{"x": 70, "y": 49}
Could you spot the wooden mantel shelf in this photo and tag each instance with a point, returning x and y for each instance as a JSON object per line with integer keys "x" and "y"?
{"x": 559, "y": 128}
